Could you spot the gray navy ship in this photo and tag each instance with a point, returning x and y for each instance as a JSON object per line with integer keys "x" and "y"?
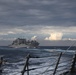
{"x": 19, "y": 43}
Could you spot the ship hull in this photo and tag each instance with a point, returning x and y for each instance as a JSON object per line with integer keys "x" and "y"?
{"x": 22, "y": 46}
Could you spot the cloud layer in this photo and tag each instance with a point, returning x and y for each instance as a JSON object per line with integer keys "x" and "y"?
{"x": 40, "y": 32}
{"x": 37, "y": 12}
{"x": 38, "y": 19}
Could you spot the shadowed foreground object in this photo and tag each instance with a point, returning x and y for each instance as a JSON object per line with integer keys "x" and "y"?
{"x": 1, "y": 62}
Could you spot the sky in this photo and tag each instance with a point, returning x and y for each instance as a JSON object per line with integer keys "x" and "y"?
{"x": 42, "y": 20}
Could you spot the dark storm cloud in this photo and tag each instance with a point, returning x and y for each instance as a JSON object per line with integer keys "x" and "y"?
{"x": 37, "y": 12}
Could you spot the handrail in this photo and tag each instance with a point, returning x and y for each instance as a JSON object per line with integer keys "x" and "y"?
{"x": 56, "y": 64}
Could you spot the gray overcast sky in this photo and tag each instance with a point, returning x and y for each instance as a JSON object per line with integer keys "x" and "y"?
{"x": 38, "y": 19}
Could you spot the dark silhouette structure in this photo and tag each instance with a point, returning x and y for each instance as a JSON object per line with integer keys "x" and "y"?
{"x": 1, "y": 62}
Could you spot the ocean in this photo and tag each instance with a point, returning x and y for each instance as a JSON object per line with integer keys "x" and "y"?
{"x": 42, "y": 59}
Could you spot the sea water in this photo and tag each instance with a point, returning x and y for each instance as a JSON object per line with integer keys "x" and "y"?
{"x": 16, "y": 58}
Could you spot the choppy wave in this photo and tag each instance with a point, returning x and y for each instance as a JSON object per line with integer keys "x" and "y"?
{"x": 16, "y": 59}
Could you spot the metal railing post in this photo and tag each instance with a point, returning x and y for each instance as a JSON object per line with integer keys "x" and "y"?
{"x": 57, "y": 63}
{"x": 26, "y": 66}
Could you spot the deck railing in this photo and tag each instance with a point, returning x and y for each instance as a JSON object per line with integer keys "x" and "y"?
{"x": 58, "y": 67}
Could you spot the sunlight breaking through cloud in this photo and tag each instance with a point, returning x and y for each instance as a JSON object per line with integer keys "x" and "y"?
{"x": 55, "y": 36}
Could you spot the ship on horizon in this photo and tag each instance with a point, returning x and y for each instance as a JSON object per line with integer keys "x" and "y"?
{"x": 20, "y": 43}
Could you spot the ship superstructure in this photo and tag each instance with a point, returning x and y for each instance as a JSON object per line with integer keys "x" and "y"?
{"x": 19, "y": 42}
